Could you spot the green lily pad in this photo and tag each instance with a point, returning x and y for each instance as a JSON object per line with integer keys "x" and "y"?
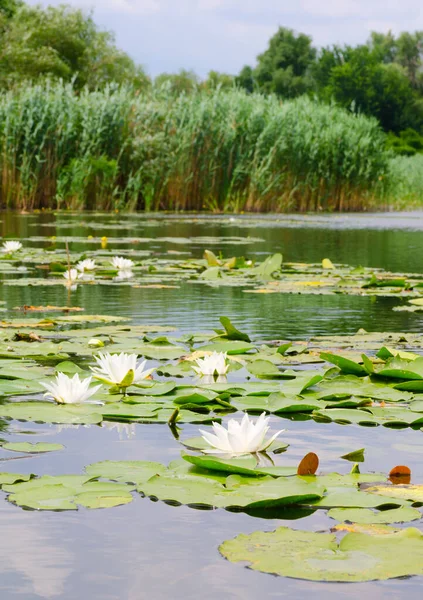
{"x": 413, "y": 493}
{"x": 126, "y": 471}
{"x": 230, "y": 347}
{"x": 355, "y": 456}
{"x": 11, "y": 478}
{"x": 37, "y": 448}
{"x": 346, "y": 365}
{"x": 66, "y": 493}
{"x": 47, "y": 412}
{"x": 248, "y": 493}
{"x": 319, "y": 557}
{"x": 346, "y": 416}
{"x": 404, "y": 514}
{"x": 231, "y": 332}
{"x": 277, "y": 403}
{"x": 349, "y": 498}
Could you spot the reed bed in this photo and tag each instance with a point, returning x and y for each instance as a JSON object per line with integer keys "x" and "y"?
{"x": 219, "y": 151}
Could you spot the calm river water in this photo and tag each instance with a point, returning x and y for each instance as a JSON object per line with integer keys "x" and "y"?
{"x": 149, "y": 549}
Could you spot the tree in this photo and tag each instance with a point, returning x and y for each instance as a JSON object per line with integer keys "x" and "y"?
{"x": 218, "y": 80}
{"x": 361, "y": 82}
{"x": 245, "y": 79}
{"x": 62, "y": 43}
{"x": 283, "y": 68}
{"x": 383, "y": 45}
{"x": 184, "y": 82}
{"x": 409, "y": 54}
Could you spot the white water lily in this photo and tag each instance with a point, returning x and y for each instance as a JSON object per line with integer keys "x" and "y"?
{"x": 71, "y": 276}
{"x": 120, "y": 369}
{"x": 86, "y": 265}
{"x": 215, "y": 364}
{"x": 67, "y": 390}
{"x": 122, "y": 264}
{"x": 10, "y": 247}
{"x": 241, "y": 437}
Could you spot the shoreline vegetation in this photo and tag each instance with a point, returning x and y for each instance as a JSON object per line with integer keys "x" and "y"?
{"x": 214, "y": 150}
{"x": 82, "y": 126}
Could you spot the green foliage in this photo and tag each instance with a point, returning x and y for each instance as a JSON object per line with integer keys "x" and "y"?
{"x": 408, "y": 143}
{"x": 283, "y": 67}
{"x": 217, "y": 80}
{"x": 245, "y": 79}
{"x": 217, "y": 149}
{"x": 61, "y": 42}
{"x": 184, "y": 82}
{"x": 406, "y": 180}
{"x": 382, "y": 78}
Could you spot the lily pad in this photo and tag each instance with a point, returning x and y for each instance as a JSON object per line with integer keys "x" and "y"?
{"x": 47, "y": 412}
{"x": 126, "y": 471}
{"x": 66, "y": 493}
{"x": 248, "y": 493}
{"x": 319, "y": 557}
{"x": 414, "y": 493}
{"x": 404, "y": 514}
{"x": 37, "y": 448}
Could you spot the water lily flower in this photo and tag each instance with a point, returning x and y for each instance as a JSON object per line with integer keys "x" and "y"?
{"x": 66, "y": 390}
{"x": 122, "y": 264}
{"x": 86, "y": 265}
{"x": 241, "y": 437}
{"x": 121, "y": 370}
{"x": 71, "y": 276}
{"x": 10, "y": 247}
{"x": 95, "y": 343}
{"x": 215, "y": 364}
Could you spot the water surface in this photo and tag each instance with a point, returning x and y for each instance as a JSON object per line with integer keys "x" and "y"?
{"x": 149, "y": 549}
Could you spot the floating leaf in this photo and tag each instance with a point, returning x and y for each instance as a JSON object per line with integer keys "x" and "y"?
{"x": 47, "y": 412}
{"x": 37, "y": 448}
{"x": 327, "y": 264}
{"x": 414, "y": 493}
{"x": 125, "y": 471}
{"x": 355, "y": 456}
{"x": 345, "y": 364}
{"x": 232, "y": 333}
{"x": 319, "y": 557}
{"x": 400, "y": 471}
{"x": 249, "y": 493}
{"x": 67, "y": 492}
{"x": 230, "y": 347}
{"x": 404, "y": 514}
{"x": 11, "y": 478}
{"x": 309, "y": 464}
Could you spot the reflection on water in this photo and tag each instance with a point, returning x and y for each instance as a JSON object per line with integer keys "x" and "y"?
{"x": 33, "y": 558}
{"x": 149, "y": 549}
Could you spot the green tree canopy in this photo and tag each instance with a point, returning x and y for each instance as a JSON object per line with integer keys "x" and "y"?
{"x": 61, "y": 42}
{"x": 283, "y": 67}
{"x": 183, "y": 82}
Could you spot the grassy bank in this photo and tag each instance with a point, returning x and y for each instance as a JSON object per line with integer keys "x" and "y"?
{"x": 212, "y": 150}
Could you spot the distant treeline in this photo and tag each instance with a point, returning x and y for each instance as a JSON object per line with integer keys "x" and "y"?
{"x": 221, "y": 150}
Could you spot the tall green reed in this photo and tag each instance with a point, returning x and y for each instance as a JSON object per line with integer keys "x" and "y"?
{"x": 216, "y": 150}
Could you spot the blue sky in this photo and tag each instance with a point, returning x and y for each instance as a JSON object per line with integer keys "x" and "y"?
{"x": 167, "y": 35}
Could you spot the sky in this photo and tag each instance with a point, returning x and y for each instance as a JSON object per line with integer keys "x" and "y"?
{"x": 224, "y": 35}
